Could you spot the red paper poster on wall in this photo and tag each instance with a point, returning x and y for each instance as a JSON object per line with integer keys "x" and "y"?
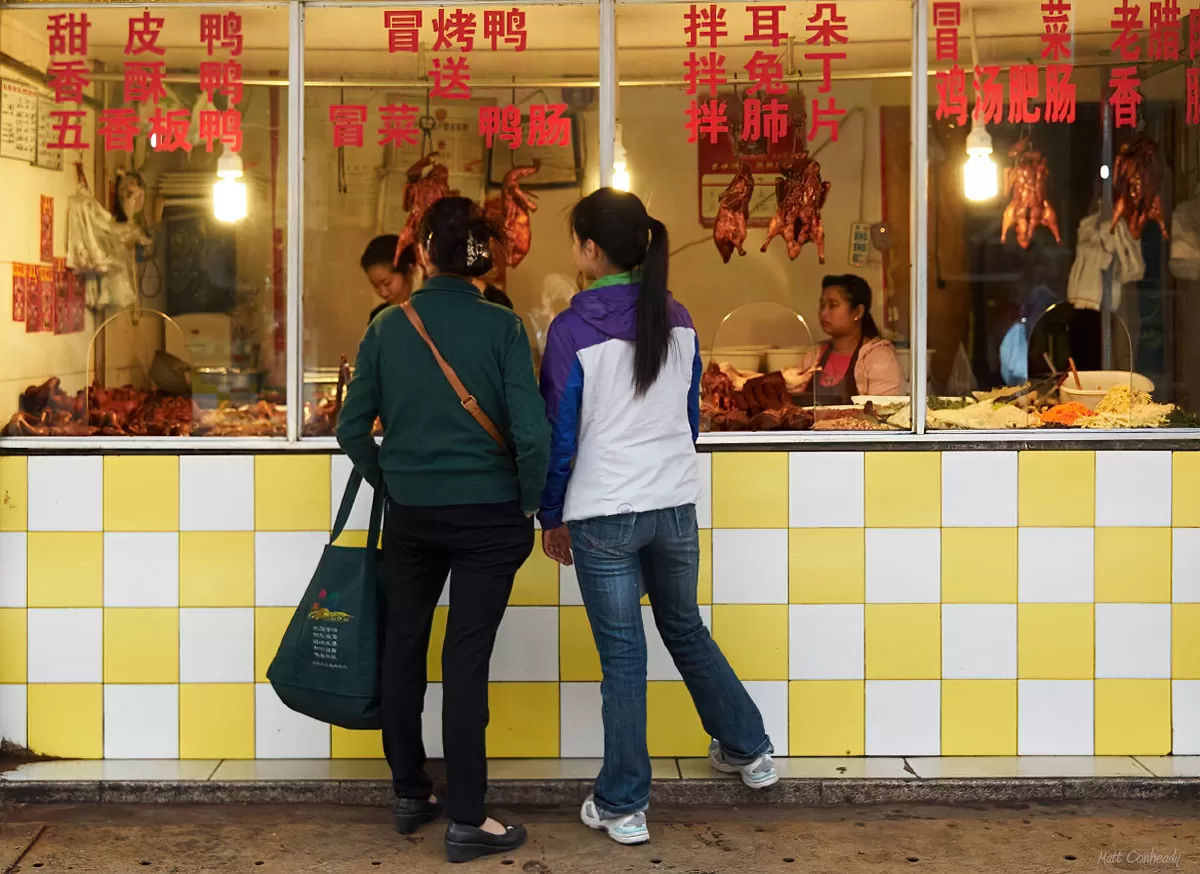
{"x": 62, "y": 300}
{"x": 46, "y": 286}
{"x": 47, "y": 225}
{"x": 18, "y": 289}
{"x": 33, "y": 300}
{"x": 78, "y": 300}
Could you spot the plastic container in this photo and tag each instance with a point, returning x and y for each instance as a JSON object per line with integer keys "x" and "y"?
{"x": 1096, "y": 384}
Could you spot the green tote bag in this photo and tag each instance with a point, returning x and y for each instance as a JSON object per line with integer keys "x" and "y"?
{"x": 327, "y": 666}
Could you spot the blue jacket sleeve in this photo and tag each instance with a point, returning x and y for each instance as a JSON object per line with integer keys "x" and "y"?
{"x": 562, "y": 389}
{"x": 694, "y": 393}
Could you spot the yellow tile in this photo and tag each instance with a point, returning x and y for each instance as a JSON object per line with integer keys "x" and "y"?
{"x": 437, "y": 637}
{"x": 14, "y": 493}
{"x": 1185, "y": 490}
{"x": 141, "y": 493}
{"x": 826, "y": 566}
{"x": 67, "y": 720}
{"x": 14, "y": 645}
{"x": 979, "y": 717}
{"x": 1185, "y": 641}
{"x": 1056, "y": 489}
{"x": 141, "y": 645}
{"x": 524, "y": 720}
{"x": 704, "y": 578}
{"x": 754, "y": 637}
{"x": 1055, "y": 641}
{"x": 537, "y": 582}
{"x": 347, "y": 744}
{"x": 216, "y": 721}
{"x": 66, "y": 569}
{"x": 1133, "y": 565}
{"x": 216, "y": 569}
{"x": 904, "y": 641}
{"x": 826, "y": 717}
{"x": 269, "y": 625}
{"x": 673, "y": 727}
{"x": 904, "y": 489}
{"x": 578, "y": 659}
{"x": 750, "y": 489}
{"x": 979, "y": 565}
{"x": 291, "y": 493}
{"x": 356, "y": 538}
{"x": 1133, "y": 717}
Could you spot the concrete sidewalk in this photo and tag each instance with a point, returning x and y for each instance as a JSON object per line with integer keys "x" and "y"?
{"x": 809, "y": 782}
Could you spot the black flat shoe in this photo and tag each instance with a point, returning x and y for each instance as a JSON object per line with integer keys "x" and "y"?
{"x": 466, "y": 842}
{"x": 412, "y": 813}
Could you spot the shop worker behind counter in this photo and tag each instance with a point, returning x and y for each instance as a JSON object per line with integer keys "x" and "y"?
{"x": 457, "y": 503}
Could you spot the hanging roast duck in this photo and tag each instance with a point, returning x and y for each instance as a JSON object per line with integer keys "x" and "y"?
{"x": 1025, "y": 185}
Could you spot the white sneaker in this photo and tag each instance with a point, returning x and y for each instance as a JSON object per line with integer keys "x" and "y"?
{"x": 758, "y": 774}
{"x": 628, "y": 829}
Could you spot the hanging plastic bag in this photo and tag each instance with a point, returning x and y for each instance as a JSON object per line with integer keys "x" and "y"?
{"x": 91, "y": 248}
{"x": 557, "y": 291}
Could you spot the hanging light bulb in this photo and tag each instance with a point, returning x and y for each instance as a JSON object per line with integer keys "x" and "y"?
{"x": 620, "y": 176}
{"x": 229, "y": 191}
{"x": 980, "y": 180}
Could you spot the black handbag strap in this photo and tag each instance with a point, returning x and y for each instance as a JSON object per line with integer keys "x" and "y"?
{"x": 343, "y": 513}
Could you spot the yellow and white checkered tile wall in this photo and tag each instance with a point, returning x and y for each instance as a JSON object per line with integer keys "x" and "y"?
{"x": 879, "y": 603}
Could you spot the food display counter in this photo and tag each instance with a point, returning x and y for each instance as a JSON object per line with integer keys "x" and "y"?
{"x": 987, "y": 547}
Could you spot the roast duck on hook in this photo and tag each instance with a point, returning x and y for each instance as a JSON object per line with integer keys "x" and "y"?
{"x": 422, "y": 191}
{"x": 510, "y": 211}
{"x": 1137, "y": 180}
{"x": 799, "y": 196}
{"x": 733, "y": 212}
{"x": 1025, "y": 185}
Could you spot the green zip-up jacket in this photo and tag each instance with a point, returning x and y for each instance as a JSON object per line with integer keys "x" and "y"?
{"x": 433, "y": 452}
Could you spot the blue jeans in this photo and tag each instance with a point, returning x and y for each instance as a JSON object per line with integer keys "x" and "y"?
{"x": 663, "y": 547}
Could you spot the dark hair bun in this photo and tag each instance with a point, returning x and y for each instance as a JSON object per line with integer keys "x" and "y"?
{"x": 459, "y": 237}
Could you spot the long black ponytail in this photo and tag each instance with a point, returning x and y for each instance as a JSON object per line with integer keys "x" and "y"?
{"x": 617, "y": 222}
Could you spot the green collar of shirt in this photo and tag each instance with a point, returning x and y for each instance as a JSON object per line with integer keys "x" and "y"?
{"x": 448, "y": 283}
{"x": 629, "y": 277}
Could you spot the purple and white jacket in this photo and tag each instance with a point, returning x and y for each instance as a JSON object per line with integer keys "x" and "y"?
{"x": 612, "y": 452}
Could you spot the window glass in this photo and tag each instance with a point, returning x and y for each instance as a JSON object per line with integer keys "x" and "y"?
{"x": 405, "y": 104}
{"x": 1063, "y": 259}
{"x": 143, "y": 153}
{"x": 784, "y": 128}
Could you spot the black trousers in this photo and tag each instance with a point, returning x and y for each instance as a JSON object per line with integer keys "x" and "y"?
{"x": 481, "y": 547}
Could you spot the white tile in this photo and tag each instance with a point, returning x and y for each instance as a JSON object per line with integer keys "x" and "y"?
{"x": 1055, "y": 565}
{"x": 1054, "y": 718}
{"x": 122, "y": 770}
{"x": 216, "y": 493}
{"x": 659, "y": 664}
{"x": 568, "y": 587}
{"x": 825, "y": 642}
{"x": 581, "y": 729}
{"x": 979, "y": 641}
{"x": 1133, "y": 489}
{"x": 284, "y": 564}
{"x": 1185, "y": 717}
{"x": 704, "y": 505}
{"x": 1133, "y": 641}
{"x": 216, "y": 645}
{"x": 281, "y": 733}
{"x": 14, "y": 714}
{"x": 360, "y": 515}
{"x": 141, "y": 570}
{"x": 141, "y": 721}
{"x": 1171, "y": 766}
{"x": 904, "y": 717}
{"x": 444, "y": 598}
{"x": 1185, "y": 565}
{"x": 750, "y": 566}
{"x": 904, "y": 565}
{"x": 527, "y": 645}
{"x": 66, "y": 493}
{"x": 974, "y": 767}
{"x": 65, "y": 645}
{"x": 826, "y": 490}
{"x": 772, "y": 700}
{"x": 14, "y": 565}
{"x": 431, "y": 721}
{"x": 979, "y": 489}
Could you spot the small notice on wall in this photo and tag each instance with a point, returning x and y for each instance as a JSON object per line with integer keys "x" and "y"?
{"x": 33, "y": 300}
{"x": 46, "y": 284}
{"x": 47, "y": 158}
{"x": 62, "y": 298}
{"x": 18, "y": 289}
{"x": 78, "y": 307}
{"x": 47, "y": 228}
{"x": 18, "y": 121}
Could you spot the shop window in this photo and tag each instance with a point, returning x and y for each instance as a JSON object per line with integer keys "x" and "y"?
{"x": 1063, "y": 259}
{"x": 143, "y": 153}
{"x": 406, "y": 104}
{"x": 773, "y": 142}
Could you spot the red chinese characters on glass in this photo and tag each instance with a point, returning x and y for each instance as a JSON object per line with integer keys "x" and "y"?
{"x": 829, "y": 115}
{"x": 1056, "y": 25}
{"x": 67, "y": 127}
{"x": 766, "y": 74}
{"x": 764, "y": 121}
{"x": 706, "y": 70}
{"x": 451, "y": 78}
{"x": 952, "y": 95}
{"x": 222, "y": 30}
{"x": 705, "y": 25}
{"x": 398, "y": 125}
{"x": 708, "y": 119}
{"x": 143, "y": 35}
{"x": 169, "y": 130}
{"x": 118, "y": 128}
{"x": 68, "y": 34}
{"x": 144, "y": 81}
{"x": 1060, "y": 94}
{"x": 1164, "y": 30}
{"x": 1023, "y": 86}
{"x": 68, "y": 80}
{"x": 1125, "y": 97}
{"x": 548, "y": 125}
{"x": 507, "y": 25}
{"x": 214, "y": 126}
{"x": 764, "y": 25}
{"x": 348, "y": 121}
{"x": 1127, "y": 21}
{"x": 947, "y": 17}
{"x": 501, "y": 123}
{"x": 403, "y": 29}
{"x": 826, "y": 59}
{"x": 826, "y": 26}
{"x": 222, "y": 77}
{"x": 456, "y": 30}
{"x": 989, "y": 96}
{"x": 1193, "y": 96}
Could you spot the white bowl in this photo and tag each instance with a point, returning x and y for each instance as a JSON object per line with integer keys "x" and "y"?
{"x": 740, "y": 358}
{"x": 1096, "y": 384}
{"x": 785, "y": 357}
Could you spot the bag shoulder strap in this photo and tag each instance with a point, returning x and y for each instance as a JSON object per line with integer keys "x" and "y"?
{"x": 464, "y": 397}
